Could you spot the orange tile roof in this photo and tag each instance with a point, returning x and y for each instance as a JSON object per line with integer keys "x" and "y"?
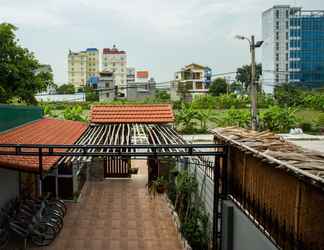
{"x": 132, "y": 113}
{"x": 44, "y": 131}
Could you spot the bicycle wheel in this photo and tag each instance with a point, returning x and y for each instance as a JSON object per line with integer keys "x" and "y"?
{"x": 43, "y": 235}
{"x": 4, "y": 238}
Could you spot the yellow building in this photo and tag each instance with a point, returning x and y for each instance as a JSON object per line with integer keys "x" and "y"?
{"x": 82, "y": 65}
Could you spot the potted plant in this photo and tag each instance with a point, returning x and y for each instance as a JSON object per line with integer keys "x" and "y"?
{"x": 157, "y": 186}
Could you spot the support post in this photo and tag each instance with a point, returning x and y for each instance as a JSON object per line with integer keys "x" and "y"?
{"x": 215, "y": 205}
{"x": 40, "y": 162}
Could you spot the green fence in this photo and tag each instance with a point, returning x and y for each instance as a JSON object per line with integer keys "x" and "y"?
{"x": 12, "y": 116}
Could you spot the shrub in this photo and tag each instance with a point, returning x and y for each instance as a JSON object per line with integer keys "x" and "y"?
{"x": 235, "y": 117}
{"x": 278, "y": 119}
{"x": 74, "y": 113}
{"x": 231, "y": 101}
{"x": 320, "y": 120}
{"x": 204, "y": 102}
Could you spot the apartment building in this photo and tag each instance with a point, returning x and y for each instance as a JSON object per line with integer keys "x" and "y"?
{"x": 106, "y": 86}
{"x": 293, "y": 49}
{"x": 194, "y": 79}
{"x": 130, "y": 76}
{"x": 114, "y": 60}
{"x": 82, "y": 66}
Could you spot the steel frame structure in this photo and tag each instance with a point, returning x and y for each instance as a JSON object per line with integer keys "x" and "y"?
{"x": 160, "y": 150}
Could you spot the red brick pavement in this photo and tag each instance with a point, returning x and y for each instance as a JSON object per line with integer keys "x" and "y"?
{"x": 118, "y": 214}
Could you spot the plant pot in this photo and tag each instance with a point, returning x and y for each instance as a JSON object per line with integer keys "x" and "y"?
{"x": 160, "y": 189}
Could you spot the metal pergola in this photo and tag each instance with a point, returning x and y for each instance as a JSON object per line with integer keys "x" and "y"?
{"x": 134, "y": 140}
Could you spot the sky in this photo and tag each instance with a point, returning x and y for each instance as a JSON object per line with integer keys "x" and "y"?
{"x": 159, "y": 35}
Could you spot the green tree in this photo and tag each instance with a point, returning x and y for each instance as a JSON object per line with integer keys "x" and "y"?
{"x": 91, "y": 94}
{"x": 66, "y": 89}
{"x": 186, "y": 118}
{"x": 288, "y": 95}
{"x": 162, "y": 95}
{"x": 243, "y": 75}
{"x": 204, "y": 116}
{"x": 278, "y": 119}
{"x": 218, "y": 87}
{"x": 20, "y": 77}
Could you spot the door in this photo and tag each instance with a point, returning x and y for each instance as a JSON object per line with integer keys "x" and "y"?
{"x": 117, "y": 167}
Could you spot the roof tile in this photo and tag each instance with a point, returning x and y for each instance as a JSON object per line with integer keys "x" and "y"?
{"x": 132, "y": 113}
{"x": 44, "y": 131}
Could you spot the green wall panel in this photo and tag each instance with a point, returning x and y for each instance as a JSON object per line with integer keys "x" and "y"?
{"x": 12, "y": 116}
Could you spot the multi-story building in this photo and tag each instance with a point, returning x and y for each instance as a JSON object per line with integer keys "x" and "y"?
{"x": 82, "y": 66}
{"x": 192, "y": 80}
{"x": 130, "y": 76}
{"x": 293, "y": 49}
{"x": 115, "y": 61}
{"x": 106, "y": 86}
{"x": 92, "y": 70}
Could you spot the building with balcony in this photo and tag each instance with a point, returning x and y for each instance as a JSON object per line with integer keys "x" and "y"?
{"x": 115, "y": 60}
{"x": 293, "y": 49}
{"x": 192, "y": 80}
{"x": 82, "y": 66}
{"x": 106, "y": 86}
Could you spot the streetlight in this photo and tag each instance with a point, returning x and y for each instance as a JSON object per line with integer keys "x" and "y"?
{"x": 253, "y": 94}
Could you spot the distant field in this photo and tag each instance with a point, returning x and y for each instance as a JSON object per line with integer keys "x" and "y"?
{"x": 309, "y": 116}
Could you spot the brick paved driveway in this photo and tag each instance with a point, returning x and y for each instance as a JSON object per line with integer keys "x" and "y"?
{"x": 118, "y": 214}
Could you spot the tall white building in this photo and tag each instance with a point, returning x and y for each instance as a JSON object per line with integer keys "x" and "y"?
{"x": 82, "y": 66}
{"x": 275, "y": 50}
{"x": 114, "y": 60}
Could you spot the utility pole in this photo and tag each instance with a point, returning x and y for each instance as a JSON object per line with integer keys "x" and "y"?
{"x": 253, "y": 87}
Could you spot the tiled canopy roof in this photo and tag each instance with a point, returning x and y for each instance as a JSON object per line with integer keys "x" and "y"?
{"x": 132, "y": 113}
{"x": 44, "y": 131}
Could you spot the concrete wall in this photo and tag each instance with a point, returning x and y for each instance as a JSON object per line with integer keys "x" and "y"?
{"x": 239, "y": 233}
{"x": 9, "y": 185}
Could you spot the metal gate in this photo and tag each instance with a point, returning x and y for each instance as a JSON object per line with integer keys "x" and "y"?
{"x": 117, "y": 167}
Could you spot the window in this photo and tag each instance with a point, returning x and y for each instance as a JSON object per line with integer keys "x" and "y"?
{"x": 287, "y": 36}
{"x": 287, "y": 56}
{"x": 287, "y": 25}
{"x": 287, "y": 46}
{"x": 277, "y": 46}
{"x": 277, "y": 25}
{"x": 277, "y": 13}
{"x": 277, "y": 67}
{"x": 287, "y": 14}
{"x": 277, "y": 78}
{"x": 287, "y": 67}
{"x": 277, "y": 35}
{"x": 107, "y": 95}
{"x": 277, "y": 57}
{"x": 287, "y": 78}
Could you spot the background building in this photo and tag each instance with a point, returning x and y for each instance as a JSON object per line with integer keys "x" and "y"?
{"x": 130, "y": 76}
{"x": 92, "y": 64}
{"x": 106, "y": 86}
{"x": 192, "y": 80}
{"x": 293, "y": 49}
{"x": 82, "y": 66}
{"x": 114, "y": 60}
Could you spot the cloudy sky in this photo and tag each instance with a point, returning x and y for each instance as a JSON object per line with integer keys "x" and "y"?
{"x": 160, "y": 35}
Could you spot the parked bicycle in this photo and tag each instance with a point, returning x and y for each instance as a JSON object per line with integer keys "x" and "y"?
{"x": 38, "y": 220}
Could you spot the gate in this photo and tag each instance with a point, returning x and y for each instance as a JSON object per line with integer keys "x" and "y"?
{"x": 118, "y": 167}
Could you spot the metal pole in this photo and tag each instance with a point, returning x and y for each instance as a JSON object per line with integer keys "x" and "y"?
{"x": 40, "y": 160}
{"x": 253, "y": 87}
{"x": 216, "y": 204}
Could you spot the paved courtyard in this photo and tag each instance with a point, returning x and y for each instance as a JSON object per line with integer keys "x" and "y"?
{"x": 118, "y": 214}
